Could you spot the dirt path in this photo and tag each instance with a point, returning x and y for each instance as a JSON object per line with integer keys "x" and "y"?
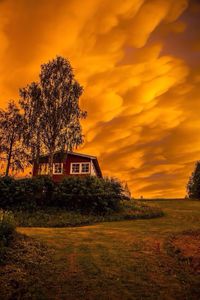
{"x": 122, "y": 260}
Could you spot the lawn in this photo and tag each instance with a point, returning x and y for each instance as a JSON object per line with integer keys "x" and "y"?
{"x": 137, "y": 259}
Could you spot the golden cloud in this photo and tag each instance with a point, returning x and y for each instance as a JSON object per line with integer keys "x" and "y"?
{"x": 141, "y": 90}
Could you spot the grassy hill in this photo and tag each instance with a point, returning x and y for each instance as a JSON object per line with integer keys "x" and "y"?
{"x": 139, "y": 259}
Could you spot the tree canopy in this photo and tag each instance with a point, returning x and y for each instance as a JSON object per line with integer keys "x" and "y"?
{"x": 193, "y": 187}
{"x": 12, "y": 153}
{"x": 51, "y": 110}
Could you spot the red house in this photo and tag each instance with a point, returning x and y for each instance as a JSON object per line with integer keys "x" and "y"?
{"x": 68, "y": 164}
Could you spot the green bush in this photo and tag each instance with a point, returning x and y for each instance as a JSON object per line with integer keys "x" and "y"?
{"x": 33, "y": 192}
{"x": 7, "y": 226}
{"x": 7, "y": 229}
{"x": 88, "y": 194}
{"x": 82, "y": 194}
{"x": 26, "y": 193}
{"x": 7, "y": 188}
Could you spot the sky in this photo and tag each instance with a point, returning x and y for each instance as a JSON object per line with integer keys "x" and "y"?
{"x": 139, "y": 64}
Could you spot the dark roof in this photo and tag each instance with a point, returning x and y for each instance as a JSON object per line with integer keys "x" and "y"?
{"x": 93, "y": 158}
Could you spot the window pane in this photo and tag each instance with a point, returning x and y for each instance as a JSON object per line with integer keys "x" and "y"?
{"x": 58, "y": 168}
{"x": 75, "y": 168}
{"x": 85, "y": 168}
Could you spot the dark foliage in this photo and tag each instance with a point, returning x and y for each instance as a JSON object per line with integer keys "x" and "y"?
{"x": 83, "y": 194}
{"x": 25, "y": 193}
{"x": 89, "y": 194}
{"x": 7, "y": 226}
{"x": 193, "y": 187}
{"x": 12, "y": 152}
{"x": 7, "y": 229}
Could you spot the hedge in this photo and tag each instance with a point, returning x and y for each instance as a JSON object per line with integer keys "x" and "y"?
{"x": 83, "y": 194}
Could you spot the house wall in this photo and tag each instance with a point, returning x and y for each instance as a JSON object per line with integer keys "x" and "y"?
{"x": 74, "y": 159}
{"x": 93, "y": 169}
{"x": 66, "y": 166}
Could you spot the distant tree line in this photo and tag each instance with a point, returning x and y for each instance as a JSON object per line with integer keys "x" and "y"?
{"x": 45, "y": 120}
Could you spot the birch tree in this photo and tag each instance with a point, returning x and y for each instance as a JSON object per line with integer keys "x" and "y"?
{"x": 31, "y": 105}
{"x": 61, "y": 114}
{"x": 51, "y": 109}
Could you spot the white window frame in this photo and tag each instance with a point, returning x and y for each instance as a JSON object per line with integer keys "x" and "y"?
{"x": 71, "y": 168}
{"x": 56, "y": 173}
{"x": 80, "y": 167}
{"x": 89, "y": 169}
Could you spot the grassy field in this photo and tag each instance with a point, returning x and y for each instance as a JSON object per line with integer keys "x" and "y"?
{"x": 121, "y": 260}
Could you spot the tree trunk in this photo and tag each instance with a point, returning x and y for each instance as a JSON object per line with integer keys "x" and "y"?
{"x": 38, "y": 146}
{"x": 9, "y": 157}
{"x": 51, "y": 155}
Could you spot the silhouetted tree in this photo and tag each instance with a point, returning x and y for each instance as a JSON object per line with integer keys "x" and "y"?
{"x": 11, "y": 149}
{"x": 31, "y": 105}
{"x": 51, "y": 109}
{"x": 193, "y": 186}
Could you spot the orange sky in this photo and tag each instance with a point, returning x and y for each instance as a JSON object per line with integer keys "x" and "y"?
{"x": 139, "y": 63}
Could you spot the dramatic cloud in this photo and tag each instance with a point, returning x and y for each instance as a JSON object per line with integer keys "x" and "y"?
{"x": 139, "y": 63}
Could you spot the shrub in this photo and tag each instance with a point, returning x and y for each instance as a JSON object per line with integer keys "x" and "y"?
{"x": 84, "y": 194}
{"x": 33, "y": 192}
{"x": 27, "y": 193}
{"x": 7, "y": 228}
{"x": 88, "y": 194}
{"x": 7, "y": 187}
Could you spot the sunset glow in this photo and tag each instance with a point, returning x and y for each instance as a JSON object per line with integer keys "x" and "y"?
{"x": 139, "y": 64}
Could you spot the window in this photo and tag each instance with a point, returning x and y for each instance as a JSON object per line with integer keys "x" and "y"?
{"x": 75, "y": 168}
{"x": 43, "y": 169}
{"x": 85, "y": 168}
{"x": 57, "y": 168}
{"x": 80, "y": 168}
